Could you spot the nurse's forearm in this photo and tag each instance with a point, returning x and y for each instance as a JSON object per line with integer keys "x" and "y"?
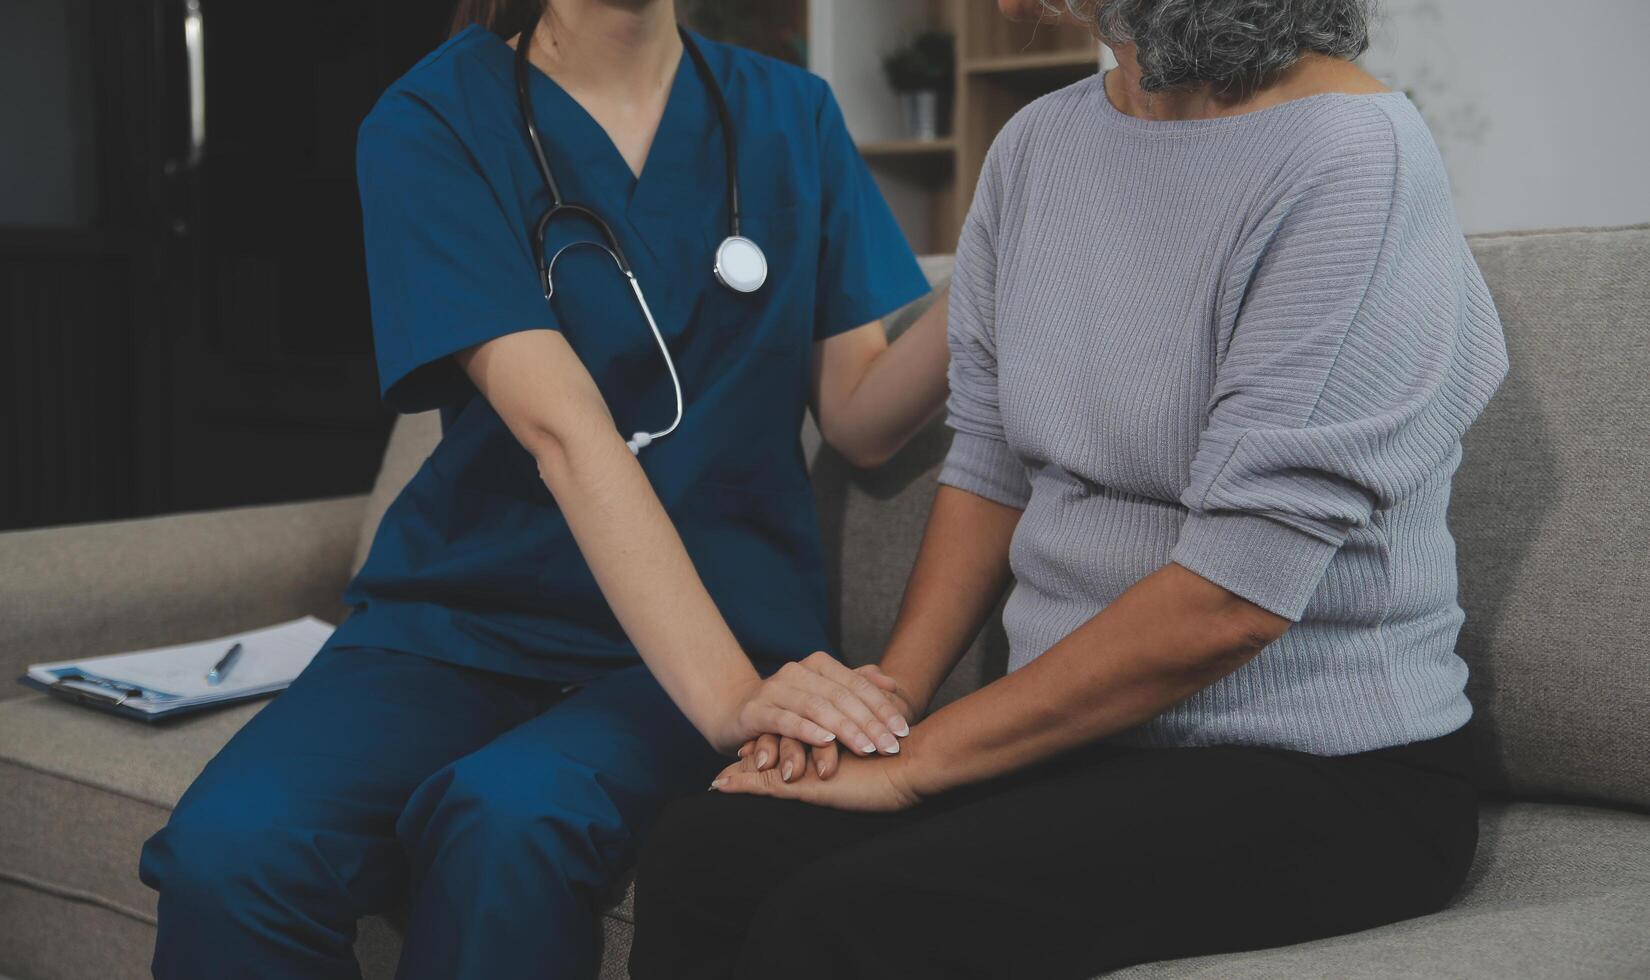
{"x": 961, "y": 572}
{"x": 547, "y": 398}
{"x": 871, "y": 397}
{"x": 648, "y": 579}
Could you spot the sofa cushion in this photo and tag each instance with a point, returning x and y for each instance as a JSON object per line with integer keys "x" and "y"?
{"x": 1550, "y": 516}
{"x": 1558, "y": 892}
{"x": 46, "y": 935}
{"x": 83, "y": 790}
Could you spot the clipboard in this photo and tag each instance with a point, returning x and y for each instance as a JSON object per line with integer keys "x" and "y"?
{"x": 169, "y": 682}
{"x": 110, "y": 704}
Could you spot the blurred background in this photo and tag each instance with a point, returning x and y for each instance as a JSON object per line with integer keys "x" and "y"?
{"x": 183, "y": 308}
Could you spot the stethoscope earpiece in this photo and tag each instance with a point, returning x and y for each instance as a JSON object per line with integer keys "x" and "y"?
{"x": 740, "y": 264}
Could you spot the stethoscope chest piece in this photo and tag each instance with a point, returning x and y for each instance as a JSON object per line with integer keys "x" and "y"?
{"x": 740, "y": 264}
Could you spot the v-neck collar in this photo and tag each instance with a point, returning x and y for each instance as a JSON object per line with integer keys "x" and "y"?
{"x": 582, "y": 142}
{"x": 675, "y": 151}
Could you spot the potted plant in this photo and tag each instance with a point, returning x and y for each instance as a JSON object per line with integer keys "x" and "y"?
{"x": 922, "y": 72}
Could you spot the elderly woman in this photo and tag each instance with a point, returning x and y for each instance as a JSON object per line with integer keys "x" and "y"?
{"x": 1215, "y": 338}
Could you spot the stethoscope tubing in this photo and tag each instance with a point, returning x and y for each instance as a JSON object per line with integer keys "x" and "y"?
{"x": 610, "y": 243}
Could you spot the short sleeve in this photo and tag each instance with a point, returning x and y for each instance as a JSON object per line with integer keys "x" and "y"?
{"x": 980, "y": 460}
{"x": 1365, "y": 345}
{"x": 866, "y": 268}
{"x": 448, "y": 263}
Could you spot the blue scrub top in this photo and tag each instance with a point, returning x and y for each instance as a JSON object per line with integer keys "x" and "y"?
{"x": 473, "y": 563}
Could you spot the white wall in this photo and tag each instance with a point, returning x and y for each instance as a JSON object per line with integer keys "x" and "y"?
{"x": 1540, "y": 107}
{"x": 846, "y": 42}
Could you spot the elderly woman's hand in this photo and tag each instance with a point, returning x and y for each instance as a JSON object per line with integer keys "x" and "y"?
{"x": 789, "y": 756}
{"x": 881, "y": 784}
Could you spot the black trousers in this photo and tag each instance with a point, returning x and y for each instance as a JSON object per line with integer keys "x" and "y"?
{"x": 1098, "y": 859}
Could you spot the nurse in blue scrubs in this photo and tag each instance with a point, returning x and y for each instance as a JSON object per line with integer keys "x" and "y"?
{"x": 555, "y": 634}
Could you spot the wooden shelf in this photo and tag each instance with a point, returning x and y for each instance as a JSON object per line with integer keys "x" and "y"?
{"x": 876, "y": 149}
{"x": 927, "y": 162}
{"x": 1001, "y": 65}
{"x": 1081, "y": 60}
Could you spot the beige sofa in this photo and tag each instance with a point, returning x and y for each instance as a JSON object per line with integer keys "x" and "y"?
{"x": 1552, "y": 512}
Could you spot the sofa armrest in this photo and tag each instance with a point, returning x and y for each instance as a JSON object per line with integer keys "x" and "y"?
{"x": 91, "y": 589}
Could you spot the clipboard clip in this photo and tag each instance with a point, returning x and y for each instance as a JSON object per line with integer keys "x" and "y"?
{"x": 63, "y": 687}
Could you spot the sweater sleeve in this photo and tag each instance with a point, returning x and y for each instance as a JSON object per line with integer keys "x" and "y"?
{"x": 1364, "y": 344}
{"x": 980, "y": 460}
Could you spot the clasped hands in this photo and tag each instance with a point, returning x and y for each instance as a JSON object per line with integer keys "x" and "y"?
{"x": 822, "y": 732}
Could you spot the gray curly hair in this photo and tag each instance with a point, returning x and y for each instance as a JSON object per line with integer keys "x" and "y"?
{"x": 1232, "y": 46}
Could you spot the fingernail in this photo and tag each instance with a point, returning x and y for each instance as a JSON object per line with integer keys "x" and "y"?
{"x": 892, "y": 746}
{"x": 900, "y": 727}
{"x": 786, "y": 773}
{"x": 820, "y": 765}
{"x": 719, "y": 783}
{"x": 830, "y": 736}
{"x": 868, "y": 747}
{"x": 761, "y": 759}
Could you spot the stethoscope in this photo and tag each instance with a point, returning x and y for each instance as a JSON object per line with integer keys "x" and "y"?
{"x": 740, "y": 264}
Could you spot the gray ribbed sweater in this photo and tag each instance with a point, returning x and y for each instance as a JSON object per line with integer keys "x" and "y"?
{"x": 1247, "y": 345}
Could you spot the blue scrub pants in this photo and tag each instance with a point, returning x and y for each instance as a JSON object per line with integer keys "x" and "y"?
{"x": 495, "y": 809}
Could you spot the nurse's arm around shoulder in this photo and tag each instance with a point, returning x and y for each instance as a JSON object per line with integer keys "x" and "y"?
{"x": 543, "y": 392}
{"x": 870, "y": 397}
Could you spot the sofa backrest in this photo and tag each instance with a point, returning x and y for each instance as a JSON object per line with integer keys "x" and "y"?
{"x": 411, "y": 441}
{"x": 1551, "y": 513}
{"x": 873, "y": 522}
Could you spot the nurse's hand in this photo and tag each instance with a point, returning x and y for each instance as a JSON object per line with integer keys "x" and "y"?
{"x": 820, "y": 701}
{"x": 787, "y": 755}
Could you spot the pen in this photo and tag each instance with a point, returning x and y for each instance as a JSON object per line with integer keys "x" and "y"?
{"x": 221, "y": 668}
